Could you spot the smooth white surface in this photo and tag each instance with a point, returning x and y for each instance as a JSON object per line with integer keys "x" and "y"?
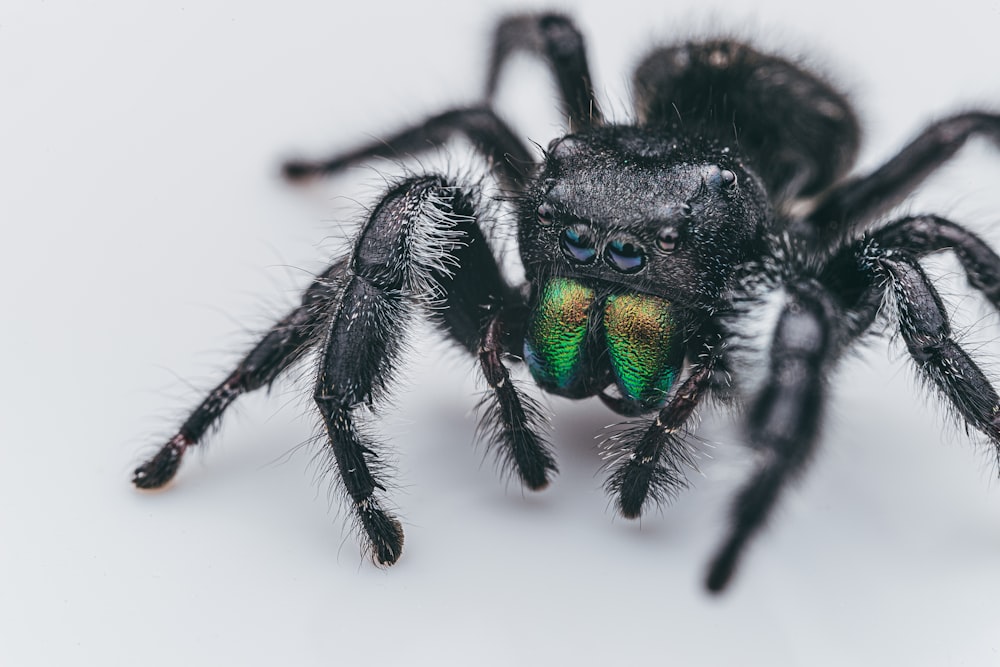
{"x": 147, "y": 239}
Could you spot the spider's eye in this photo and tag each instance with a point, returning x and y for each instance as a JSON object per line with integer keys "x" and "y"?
{"x": 667, "y": 237}
{"x": 545, "y": 215}
{"x": 625, "y": 255}
{"x": 724, "y": 179}
{"x": 578, "y": 244}
{"x": 563, "y": 146}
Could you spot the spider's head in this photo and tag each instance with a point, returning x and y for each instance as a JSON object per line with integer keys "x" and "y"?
{"x": 656, "y": 213}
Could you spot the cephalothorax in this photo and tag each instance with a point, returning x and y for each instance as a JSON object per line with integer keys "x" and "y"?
{"x": 644, "y": 246}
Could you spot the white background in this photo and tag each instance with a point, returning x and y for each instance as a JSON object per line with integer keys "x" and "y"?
{"x": 147, "y": 239}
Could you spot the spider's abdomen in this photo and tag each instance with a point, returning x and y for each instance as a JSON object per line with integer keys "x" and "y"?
{"x": 576, "y": 343}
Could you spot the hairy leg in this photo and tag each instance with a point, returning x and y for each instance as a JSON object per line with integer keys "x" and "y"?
{"x": 784, "y": 418}
{"x": 823, "y": 319}
{"x": 551, "y": 36}
{"x": 407, "y": 239}
{"x": 556, "y": 39}
{"x": 511, "y": 420}
{"x": 647, "y": 461}
{"x": 850, "y": 272}
{"x": 926, "y": 234}
{"x": 492, "y": 138}
{"x": 858, "y": 200}
{"x": 924, "y": 325}
{"x": 421, "y": 244}
{"x": 280, "y": 347}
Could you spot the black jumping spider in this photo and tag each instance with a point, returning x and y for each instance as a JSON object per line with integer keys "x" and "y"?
{"x": 644, "y": 246}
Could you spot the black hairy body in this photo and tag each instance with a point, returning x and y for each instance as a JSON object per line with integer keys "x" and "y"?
{"x": 644, "y": 246}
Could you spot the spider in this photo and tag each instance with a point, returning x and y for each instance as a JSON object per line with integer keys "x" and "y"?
{"x": 645, "y": 247}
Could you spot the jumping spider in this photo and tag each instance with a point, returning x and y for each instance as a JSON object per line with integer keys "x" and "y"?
{"x": 644, "y": 246}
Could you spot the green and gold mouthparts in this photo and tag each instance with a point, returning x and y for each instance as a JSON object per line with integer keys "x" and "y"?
{"x": 634, "y": 333}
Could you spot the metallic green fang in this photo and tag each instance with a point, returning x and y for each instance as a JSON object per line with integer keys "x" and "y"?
{"x": 557, "y": 331}
{"x": 644, "y": 354}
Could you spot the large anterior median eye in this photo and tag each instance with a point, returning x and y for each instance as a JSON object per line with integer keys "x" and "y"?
{"x": 577, "y": 243}
{"x": 625, "y": 255}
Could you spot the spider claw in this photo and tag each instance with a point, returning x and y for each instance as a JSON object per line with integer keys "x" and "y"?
{"x": 159, "y": 470}
{"x": 297, "y": 172}
{"x": 384, "y": 532}
{"x": 537, "y": 485}
{"x": 721, "y": 571}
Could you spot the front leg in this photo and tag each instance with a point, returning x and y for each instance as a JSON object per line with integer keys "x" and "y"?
{"x": 421, "y": 243}
{"x": 360, "y": 351}
{"x": 398, "y": 258}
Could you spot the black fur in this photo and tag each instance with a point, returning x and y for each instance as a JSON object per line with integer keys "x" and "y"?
{"x": 731, "y": 181}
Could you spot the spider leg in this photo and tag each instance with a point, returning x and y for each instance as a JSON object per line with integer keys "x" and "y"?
{"x": 926, "y": 234}
{"x": 650, "y": 464}
{"x": 784, "y": 418}
{"x": 551, "y": 36}
{"x": 555, "y": 38}
{"x": 406, "y": 242}
{"x": 491, "y": 137}
{"x": 412, "y": 247}
{"x": 860, "y": 199}
{"x": 850, "y": 273}
{"x": 924, "y": 325}
{"x": 860, "y": 288}
{"x": 280, "y": 347}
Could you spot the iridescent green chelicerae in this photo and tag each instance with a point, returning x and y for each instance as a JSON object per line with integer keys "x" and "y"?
{"x": 634, "y": 339}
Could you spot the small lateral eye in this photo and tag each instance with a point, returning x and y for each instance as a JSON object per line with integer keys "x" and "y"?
{"x": 718, "y": 177}
{"x": 667, "y": 237}
{"x": 545, "y": 215}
